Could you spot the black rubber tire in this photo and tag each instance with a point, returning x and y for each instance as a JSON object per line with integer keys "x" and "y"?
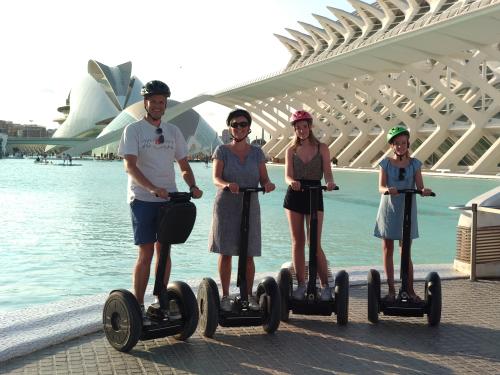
{"x": 122, "y": 320}
{"x": 268, "y": 295}
{"x": 186, "y": 300}
{"x": 342, "y": 297}
{"x": 208, "y": 306}
{"x": 433, "y": 297}
{"x": 373, "y": 295}
{"x": 285, "y": 286}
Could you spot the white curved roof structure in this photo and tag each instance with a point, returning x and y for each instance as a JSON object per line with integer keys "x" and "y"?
{"x": 432, "y": 66}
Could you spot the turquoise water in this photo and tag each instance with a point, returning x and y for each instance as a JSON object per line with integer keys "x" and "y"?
{"x": 65, "y": 231}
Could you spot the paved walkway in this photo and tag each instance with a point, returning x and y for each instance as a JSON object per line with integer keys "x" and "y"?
{"x": 467, "y": 341}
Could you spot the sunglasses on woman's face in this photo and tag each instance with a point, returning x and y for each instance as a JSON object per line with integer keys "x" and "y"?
{"x": 160, "y": 139}
{"x": 241, "y": 125}
{"x": 402, "y": 173}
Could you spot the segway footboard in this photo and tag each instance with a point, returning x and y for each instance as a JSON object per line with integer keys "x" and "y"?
{"x": 160, "y": 329}
{"x": 181, "y": 328}
{"x": 240, "y": 317}
{"x": 400, "y": 308}
{"x": 314, "y": 307}
{"x": 307, "y": 306}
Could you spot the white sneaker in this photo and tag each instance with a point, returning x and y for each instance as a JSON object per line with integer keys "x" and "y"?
{"x": 252, "y": 303}
{"x": 326, "y": 294}
{"x": 226, "y": 304}
{"x": 300, "y": 292}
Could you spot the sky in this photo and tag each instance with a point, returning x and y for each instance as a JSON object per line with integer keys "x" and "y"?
{"x": 195, "y": 46}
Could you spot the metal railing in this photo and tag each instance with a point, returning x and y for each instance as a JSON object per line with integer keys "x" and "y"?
{"x": 473, "y": 237}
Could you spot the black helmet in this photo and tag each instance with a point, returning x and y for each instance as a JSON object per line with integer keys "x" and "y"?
{"x": 155, "y": 88}
{"x": 237, "y": 113}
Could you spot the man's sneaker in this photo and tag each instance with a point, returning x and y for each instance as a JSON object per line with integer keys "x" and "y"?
{"x": 173, "y": 312}
{"x": 300, "y": 292}
{"x": 326, "y": 294}
{"x": 226, "y": 304}
{"x": 252, "y": 303}
{"x": 145, "y": 319}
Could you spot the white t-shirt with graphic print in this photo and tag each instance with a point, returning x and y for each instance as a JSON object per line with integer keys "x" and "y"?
{"x": 155, "y": 160}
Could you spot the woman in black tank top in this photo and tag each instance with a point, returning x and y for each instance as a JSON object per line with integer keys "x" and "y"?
{"x": 306, "y": 162}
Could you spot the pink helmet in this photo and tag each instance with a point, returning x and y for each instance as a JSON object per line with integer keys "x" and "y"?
{"x": 301, "y": 116}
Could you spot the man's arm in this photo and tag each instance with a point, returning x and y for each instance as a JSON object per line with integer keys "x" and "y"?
{"x": 188, "y": 176}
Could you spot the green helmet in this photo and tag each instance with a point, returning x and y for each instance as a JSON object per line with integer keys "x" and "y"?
{"x": 395, "y": 131}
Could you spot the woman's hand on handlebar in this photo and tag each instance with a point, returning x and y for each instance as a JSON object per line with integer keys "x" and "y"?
{"x": 426, "y": 192}
{"x": 233, "y": 187}
{"x": 392, "y": 191}
{"x": 330, "y": 186}
{"x": 268, "y": 187}
{"x": 295, "y": 185}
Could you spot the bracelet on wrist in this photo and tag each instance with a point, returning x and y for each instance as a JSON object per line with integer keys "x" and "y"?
{"x": 193, "y": 187}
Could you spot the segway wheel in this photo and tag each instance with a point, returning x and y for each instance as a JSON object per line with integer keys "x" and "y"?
{"x": 373, "y": 295}
{"x": 268, "y": 295}
{"x": 285, "y": 286}
{"x": 342, "y": 297}
{"x": 122, "y": 320}
{"x": 186, "y": 300}
{"x": 208, "y": 306}
{"x": 433, "y": 297}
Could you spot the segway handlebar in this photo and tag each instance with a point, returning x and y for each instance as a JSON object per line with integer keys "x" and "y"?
{"x": 179, "y": 196}
{"x": 411, "y": 191}
{"x": 249, "y": 189}
{"x": 322, "y": 187}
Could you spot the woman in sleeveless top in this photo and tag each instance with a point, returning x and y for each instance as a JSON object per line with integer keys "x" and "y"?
{"x": 399, "y": 171}
{"x": 236, "y": 165}
{"x": 306, "y": 162}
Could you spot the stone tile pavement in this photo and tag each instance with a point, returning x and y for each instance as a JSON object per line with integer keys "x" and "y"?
{"x": 467, "y": 341}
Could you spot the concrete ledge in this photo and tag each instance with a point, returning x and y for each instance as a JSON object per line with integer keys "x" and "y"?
{"x": 490, "y": 269}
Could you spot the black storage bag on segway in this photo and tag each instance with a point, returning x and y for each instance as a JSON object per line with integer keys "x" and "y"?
{"x": 176, "y": 220}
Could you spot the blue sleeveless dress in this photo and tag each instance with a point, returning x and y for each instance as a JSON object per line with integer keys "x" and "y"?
{"x": 389, "y": 223}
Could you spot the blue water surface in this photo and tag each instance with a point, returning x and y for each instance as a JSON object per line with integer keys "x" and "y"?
{"x": 65, "y": 231}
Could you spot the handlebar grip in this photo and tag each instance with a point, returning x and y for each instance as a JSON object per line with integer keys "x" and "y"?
{"x": 335, "y": 188}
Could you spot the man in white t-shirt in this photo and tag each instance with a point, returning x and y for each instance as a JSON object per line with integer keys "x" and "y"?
{"x": 149, "y": 148}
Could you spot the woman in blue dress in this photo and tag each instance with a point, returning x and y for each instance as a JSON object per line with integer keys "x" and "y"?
{"x": 237, "y": 164}
{"x": 396, "y": 173}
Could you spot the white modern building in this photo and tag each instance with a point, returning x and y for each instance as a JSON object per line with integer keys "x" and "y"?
{"x": 430, "y": 65}
{"x": 107, "y": 99}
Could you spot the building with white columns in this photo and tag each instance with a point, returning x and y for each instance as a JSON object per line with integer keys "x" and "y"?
{"x": 430, "y": 65}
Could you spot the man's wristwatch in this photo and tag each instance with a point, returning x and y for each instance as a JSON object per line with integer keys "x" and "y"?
{"x": 193, "y": 187}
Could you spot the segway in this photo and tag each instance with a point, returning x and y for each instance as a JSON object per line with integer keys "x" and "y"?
{"x": 403, "y": 305}
{"x": 312, "y": 304}
{"x": 122, "y": 317}
{"x": 268, "y": 296}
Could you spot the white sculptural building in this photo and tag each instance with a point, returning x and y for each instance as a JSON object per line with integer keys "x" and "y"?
{"x": 107, "y": 99}
{"x": 432, "y": 66}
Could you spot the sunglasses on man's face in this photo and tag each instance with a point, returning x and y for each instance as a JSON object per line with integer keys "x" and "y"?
{"x": 241, "y": 125}
{"x": 402, "y": 173}
{"x": 160, "y": 139}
